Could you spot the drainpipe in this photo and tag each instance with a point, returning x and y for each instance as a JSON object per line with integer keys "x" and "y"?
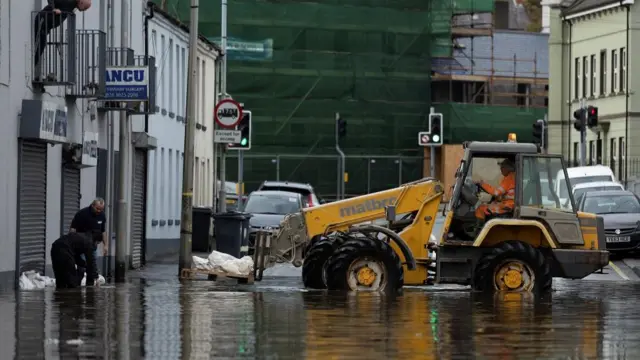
{"x": 149, "y": 16}
{"x": 626, "y": 121}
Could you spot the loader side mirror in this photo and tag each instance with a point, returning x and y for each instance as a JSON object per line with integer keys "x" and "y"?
{"x": 390, "y": 213}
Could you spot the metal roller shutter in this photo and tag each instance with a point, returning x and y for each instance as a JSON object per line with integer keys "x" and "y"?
{"x": 137, "y": 207}
{"x": 33, "y": 207}
{"x": 70, "y": 196}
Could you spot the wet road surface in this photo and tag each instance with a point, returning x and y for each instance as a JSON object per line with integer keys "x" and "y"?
{"x": 154, "y": 317}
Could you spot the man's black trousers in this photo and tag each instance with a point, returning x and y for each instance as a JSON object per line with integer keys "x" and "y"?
{"x": 64, "y": 266}
{"x": 43, "y": 23}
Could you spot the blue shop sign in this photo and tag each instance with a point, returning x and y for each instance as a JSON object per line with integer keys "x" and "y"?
{"x": 127, "y": 83}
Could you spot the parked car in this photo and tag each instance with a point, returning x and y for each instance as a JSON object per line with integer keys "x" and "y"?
{"x": 580, "y": 189}
{"x": 268, "y": 208}
{"x": 309, "y": 197}
{"x": 620, "y": 210}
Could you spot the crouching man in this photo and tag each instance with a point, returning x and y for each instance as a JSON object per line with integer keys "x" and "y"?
{"x": 68, "y": 265}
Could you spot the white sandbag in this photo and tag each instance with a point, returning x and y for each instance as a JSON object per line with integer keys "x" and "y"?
{"x": 31, "y": 280}
{"x": 101, "y": 280}
{"x": 217, "y": 258}
{"x": 201, "y": 263}
{"x": 26, "y": 283}
{"x": 230, "y": 265}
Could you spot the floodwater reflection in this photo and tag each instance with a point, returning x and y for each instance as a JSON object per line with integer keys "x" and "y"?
{"x": 165, "y": 320}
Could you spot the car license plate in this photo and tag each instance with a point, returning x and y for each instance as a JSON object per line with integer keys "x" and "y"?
{"x": 618, "y": 239}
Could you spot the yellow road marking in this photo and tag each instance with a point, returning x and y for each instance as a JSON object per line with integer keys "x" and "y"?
{"x": 617, "y": 270}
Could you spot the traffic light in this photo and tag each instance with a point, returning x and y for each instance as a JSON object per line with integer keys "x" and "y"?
{"x": 244, "y": 126}
{"x": 579, "y": 119}
{"x": 540, "y": 132}
{"x": 342, "y": 127}
{"x": 592, "y": 116}
{"x": 435, "y": 123}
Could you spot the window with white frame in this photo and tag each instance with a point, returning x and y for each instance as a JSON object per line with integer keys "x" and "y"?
{"x": 198, "y": 91}
{"x": 614, "y": 71}
{"x": 170, "y": 75}
{"x": 585, "y": 76}
{"x": 196, "y": 184}
{"x": 177, "y": 174}
{"x": 603, "y": 72}
{"x": 163, "y": 188}
{"x": 163, "y": 78}
{"x": 178, "y": 109}
{"x": 183, "y": 73}
{"x": 170, "y": 186}
{"x": 613, "y": 148}
{"x": 578, "y": 74}
{"x": 594, "y": 76}
{"x": 203, "y": 93}
{"x": 622, "y": 151}
{"x": 623, "y": 69}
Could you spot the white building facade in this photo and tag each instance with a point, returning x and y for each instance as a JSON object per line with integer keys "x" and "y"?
{"x": 169, "y": 45}
{"x": 51, "y": 129}
{"x": 58, "y": 128}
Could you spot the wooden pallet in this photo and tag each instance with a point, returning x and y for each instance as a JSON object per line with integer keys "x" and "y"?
{"x": 192, "y": 274}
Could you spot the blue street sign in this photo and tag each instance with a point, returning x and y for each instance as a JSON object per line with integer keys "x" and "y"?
{"x": 127, "y": 83}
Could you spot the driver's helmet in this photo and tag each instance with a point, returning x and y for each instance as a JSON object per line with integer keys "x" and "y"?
{"x": 507, "y": 164}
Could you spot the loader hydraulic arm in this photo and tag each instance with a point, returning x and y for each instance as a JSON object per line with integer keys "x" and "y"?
{"x": 298, "y": 230}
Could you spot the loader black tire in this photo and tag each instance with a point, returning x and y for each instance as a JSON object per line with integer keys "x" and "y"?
{"x": 337, "y": 269}
{"x": 315, "y": 258}
{"x": 484, "y": 274}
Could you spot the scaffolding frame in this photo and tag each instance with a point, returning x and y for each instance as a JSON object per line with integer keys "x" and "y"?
{"x": 466, "y": 84}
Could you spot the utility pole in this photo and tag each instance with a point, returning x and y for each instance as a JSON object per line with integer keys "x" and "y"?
{"x": 122, "y": 236}
{"x": 186, "y": 225}
{"x": 341, "y": 165}
{"x": 106, "y": 24}
{"x": 223, "y": 90}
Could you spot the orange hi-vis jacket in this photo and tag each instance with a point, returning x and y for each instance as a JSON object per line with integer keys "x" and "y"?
{"x": 505, "y": 193}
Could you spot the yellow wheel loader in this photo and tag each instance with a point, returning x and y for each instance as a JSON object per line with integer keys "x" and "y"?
{"x": 342, "y": 245}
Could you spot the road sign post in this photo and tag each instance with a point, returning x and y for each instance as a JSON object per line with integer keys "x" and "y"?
{"x": 227, "y": 115}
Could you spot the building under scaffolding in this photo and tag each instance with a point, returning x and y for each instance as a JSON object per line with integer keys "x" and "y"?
{"x": 381, "y": 64}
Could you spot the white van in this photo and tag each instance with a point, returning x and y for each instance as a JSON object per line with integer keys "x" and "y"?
{"x": 581, "y": 175}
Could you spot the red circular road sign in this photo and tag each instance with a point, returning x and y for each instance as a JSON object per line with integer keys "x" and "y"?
{"x": 228, "y": 113}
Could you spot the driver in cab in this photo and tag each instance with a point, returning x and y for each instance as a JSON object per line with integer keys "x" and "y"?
{"x": 503, "y": 195}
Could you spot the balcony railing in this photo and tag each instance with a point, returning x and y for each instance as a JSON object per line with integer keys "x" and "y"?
{"x": 90, "y": 60}
{"x": 52, "y": 48}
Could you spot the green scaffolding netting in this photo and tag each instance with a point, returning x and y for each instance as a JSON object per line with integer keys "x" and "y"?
{"x": 295, "y": 64}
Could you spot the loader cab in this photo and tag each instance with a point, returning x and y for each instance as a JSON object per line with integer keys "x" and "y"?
{"x": 534, "y": 187}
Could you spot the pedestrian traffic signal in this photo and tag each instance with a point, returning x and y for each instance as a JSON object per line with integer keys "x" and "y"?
{"x": 592, "y": 116}
{"x": 435, "y": 129}
{"x": 244, "y": 126}
{"x": 579, "y": 119}
{"x": 342, "y": 127}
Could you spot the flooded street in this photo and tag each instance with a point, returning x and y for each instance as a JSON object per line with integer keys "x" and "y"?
{"x": 155, "y": 317}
